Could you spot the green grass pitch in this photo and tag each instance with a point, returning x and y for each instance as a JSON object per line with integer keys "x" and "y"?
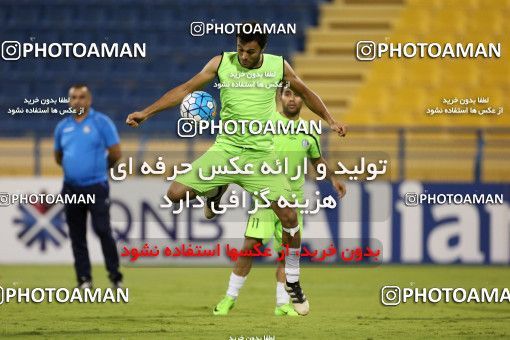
{"x": 176, "y": 303}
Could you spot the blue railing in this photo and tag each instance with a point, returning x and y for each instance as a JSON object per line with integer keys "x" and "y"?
{"x": 402, "y": 133}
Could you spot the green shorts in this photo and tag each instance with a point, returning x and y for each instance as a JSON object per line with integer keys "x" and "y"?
{"x": 219, "y": 155}
{"x": 264, "y": 224}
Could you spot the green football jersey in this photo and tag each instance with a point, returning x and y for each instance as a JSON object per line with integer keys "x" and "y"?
{"x": 296, "y": 147}
{"x": 248, "y": 94}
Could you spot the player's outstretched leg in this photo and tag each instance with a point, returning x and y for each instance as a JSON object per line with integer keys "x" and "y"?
{"x": 214, "y": 199}
{"x": 283, "y": 305}
{"x": 177, "y": 192}
{"x": 291, "y": 236}
{"x": 237, "y": 278}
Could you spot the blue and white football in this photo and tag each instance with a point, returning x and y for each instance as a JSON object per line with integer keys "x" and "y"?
{"x": 198, "y": 105}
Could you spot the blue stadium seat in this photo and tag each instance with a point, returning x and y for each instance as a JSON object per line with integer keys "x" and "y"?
{"x": 123, "y": 85}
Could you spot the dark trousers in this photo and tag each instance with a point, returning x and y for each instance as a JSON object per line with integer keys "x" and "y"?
{"x": 76, "y": 217}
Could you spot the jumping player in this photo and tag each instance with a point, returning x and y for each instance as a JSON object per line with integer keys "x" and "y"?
{"x": 242, "y": 101}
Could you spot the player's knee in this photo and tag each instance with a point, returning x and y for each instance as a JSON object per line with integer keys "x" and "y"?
{"x": 174, "y": 194}
{"x": 249, "y": 243}
{"x": 289, "y": 218}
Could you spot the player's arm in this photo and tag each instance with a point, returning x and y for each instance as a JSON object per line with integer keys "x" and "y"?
{"x": 114, "y": 154}
{"x": 176, "y": 95}
{"x": 58, "y": 157}
{"x": 330, "y": 176}
{"x": 57, "y": 148}
{"x": 311, "y": 99}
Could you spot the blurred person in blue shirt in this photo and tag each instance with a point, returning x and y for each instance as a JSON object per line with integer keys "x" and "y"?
{"x": 86, "y": 145}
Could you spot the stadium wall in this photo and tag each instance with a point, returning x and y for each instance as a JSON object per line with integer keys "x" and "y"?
{"x": 433, "y": 233}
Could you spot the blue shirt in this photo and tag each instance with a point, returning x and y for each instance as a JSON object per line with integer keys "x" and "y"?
{"x": 84, "y": 146}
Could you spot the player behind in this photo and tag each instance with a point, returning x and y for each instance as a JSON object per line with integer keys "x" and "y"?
{"x": 240, "y": 100}
{"x": 263, "y": 224}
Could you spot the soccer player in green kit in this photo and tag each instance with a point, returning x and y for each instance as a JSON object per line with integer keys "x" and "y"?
{"x": 241, "y": 101}
{"x": 264, "y": 224}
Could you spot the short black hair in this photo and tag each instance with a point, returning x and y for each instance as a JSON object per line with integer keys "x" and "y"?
{"x": 79, "y": 86}
{"x": 282, "y": 86}
{"x": 260, "y": 38}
